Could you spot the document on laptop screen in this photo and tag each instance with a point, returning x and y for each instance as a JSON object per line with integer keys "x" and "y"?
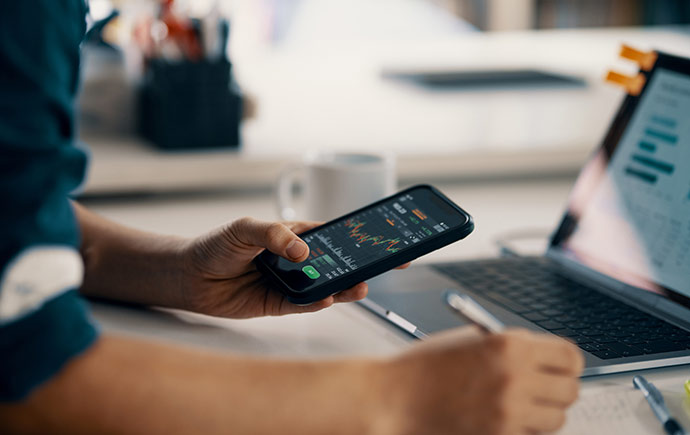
{"x": 635, "y": 222}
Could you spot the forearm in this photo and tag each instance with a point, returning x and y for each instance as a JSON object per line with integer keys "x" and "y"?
{"x": 128, "y": 386}
{"x": 129, "y": 265}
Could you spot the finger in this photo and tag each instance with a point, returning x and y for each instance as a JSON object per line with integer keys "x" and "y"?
{"x": 404, "y": 266}
{"x": 356, "y": 293}
{"x": 456, "y": 338}
{"x": 554, "y": 390}
{"x": 290, "y": 308}
{"x": 540, "y": 418}
{"x": 302, "y": 226}
{"x": 558, "y": 355}
{"x": 274, "y": 236}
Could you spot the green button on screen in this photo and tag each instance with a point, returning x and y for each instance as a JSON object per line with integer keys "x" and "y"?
{"x": 311, "y": 272}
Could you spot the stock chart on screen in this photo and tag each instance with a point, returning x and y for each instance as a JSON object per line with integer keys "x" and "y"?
{"x": 366, "y": 237}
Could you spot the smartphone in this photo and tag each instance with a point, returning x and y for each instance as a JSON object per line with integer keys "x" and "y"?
{"x": 367, "y": 243}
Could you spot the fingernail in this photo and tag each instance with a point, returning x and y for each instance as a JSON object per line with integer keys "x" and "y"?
{"x": 296, "y": 249}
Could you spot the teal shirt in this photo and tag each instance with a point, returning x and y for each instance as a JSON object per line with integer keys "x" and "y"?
{"x": 43, "y": 322}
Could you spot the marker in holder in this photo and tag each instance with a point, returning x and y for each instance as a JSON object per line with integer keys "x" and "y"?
{"x": 185, "y": 104}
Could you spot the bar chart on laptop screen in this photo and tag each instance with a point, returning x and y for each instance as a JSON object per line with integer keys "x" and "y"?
{"x": 645, "y": 165}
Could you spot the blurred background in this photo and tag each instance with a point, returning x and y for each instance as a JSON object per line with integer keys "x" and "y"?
{"x": 199, "y": 95}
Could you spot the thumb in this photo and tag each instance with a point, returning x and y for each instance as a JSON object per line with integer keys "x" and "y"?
{"x": 274, "y": 236}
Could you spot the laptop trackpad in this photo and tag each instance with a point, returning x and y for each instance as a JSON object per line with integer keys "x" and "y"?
{"x": 416, "y": 295}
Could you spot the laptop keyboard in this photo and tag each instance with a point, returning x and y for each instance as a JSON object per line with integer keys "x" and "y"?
{"x": 597, "y": 323}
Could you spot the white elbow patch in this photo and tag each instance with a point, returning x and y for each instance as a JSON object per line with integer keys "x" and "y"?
{"x": 36, "y": 276}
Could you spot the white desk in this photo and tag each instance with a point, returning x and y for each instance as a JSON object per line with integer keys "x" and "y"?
{"x": 498, "y": 207}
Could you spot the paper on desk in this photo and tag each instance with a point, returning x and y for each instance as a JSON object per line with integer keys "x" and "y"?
{"x": 621, "y": 410}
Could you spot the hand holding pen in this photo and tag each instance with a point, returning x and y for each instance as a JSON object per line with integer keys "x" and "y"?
{"x": 471, "y": 381}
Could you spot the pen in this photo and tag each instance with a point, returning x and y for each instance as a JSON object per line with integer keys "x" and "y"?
{"x": 656, "y": 402}
{"x": 470, "y": 310}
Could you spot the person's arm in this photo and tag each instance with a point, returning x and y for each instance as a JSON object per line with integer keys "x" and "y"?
{"x": 128, "y": 386}
{"x": 460, "y": 383}
{"x": 212, "y": 274}
{"x": 128, "y": 265}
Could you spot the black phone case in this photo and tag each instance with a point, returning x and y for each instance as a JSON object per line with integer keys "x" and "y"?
{"x": 376, "y": 268}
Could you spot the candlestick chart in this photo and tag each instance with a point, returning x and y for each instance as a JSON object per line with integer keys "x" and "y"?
{"x": 357, "y": 232}
{"x": 371, "y": 235}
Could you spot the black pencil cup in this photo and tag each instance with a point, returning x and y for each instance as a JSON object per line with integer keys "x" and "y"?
{"x": 190, "y": 105}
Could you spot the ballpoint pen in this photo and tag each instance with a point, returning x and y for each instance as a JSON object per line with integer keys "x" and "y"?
{"x": 656, "y": 402}
{"x": 470, "y": 310}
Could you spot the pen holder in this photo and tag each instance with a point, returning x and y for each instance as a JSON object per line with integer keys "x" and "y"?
{"x": 186, "y": 105}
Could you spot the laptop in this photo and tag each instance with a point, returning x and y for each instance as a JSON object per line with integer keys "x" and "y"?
{"x": 615, "y": 279}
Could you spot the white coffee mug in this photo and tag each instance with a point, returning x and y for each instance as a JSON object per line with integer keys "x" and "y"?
{"x": 336, "y": 183}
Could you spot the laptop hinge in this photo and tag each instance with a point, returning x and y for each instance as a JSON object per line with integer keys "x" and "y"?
{"x": 644, "y": 300}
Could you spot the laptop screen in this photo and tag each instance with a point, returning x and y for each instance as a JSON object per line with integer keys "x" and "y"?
{"x": 629, "y": 214}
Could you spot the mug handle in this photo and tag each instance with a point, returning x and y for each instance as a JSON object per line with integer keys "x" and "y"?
{"x": 285, "y": 200}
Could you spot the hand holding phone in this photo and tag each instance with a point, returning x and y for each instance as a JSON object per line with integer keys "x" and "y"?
{"x": 367, "y": 243}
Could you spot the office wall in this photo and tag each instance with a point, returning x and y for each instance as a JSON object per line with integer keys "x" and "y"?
{"x": 503, "y": 15}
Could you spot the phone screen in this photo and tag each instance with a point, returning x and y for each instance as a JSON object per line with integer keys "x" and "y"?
{"x": 370, "y": 235}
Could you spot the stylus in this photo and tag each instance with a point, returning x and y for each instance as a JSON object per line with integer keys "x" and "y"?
{"x": 470, "y": 310}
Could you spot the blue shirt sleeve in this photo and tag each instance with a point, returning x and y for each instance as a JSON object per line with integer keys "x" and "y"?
{"x": 43, "y": 322}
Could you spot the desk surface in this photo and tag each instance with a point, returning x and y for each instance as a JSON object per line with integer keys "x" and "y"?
{"x": 499, "y": 208}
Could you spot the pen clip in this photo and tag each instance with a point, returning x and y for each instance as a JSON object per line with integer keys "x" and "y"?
{"x": 648, "y": 388}
{"x": 656, "y": 394}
